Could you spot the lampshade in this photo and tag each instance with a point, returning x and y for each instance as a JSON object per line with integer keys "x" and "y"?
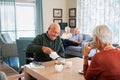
{"x": 63, "y": 25}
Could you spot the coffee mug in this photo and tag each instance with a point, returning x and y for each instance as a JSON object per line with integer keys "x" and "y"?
{"x": 92, "y": 44}
{"x": 60, "y": 60}
{"x": 58, "y": 67}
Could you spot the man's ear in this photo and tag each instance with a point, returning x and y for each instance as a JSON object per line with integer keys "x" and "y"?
{"x": 49, "y": 28}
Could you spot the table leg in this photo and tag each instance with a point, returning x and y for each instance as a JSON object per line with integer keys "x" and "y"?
{"x": 26, "y": 75}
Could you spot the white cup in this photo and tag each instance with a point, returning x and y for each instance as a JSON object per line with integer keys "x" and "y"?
{"x": 69, "y": 64}
{"x": 58, "y": 67}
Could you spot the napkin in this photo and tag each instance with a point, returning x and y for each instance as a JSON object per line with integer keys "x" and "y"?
{"x": 54, "y": 55}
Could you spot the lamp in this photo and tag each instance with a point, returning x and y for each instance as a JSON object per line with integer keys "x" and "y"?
{"x": 62, "y": 25}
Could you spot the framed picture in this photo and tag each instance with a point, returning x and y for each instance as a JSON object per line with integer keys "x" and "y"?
{"x": 57, "y": 13}
{"x": 72, "y": 12}
{"x": 57, "y": 20}
{"x": 72, "y": 23}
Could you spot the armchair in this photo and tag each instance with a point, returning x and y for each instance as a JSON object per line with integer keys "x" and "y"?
{"x": 8, "y": 47}
{"x": 3, "y": 76}
{"x": 14, "y": 77}
{"x": 22, "y": 44}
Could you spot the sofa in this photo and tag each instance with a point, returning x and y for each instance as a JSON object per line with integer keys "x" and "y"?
{"x": 78, "y": 50}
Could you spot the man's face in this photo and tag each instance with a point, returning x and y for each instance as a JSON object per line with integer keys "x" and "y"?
{"x": 76, "y": 31}
{"x": 53, "y": 33}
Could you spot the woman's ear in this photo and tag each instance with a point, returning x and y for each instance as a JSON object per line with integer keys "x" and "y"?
{"x": 99, "y": 43}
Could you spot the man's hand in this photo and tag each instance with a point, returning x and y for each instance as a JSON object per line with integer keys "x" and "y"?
{"x": 46, "y": 50}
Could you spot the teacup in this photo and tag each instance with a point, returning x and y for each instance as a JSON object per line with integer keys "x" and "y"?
{"x": 60, "y": 60}
{"x": 58, "y": 67}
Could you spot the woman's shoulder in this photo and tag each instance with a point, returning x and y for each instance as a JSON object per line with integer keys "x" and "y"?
{"x": 107, "y": 52}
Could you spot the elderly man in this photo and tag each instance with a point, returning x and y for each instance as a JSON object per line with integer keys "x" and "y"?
{"x": 47, "y": 42}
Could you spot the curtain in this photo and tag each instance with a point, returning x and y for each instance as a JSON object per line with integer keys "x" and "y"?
{"x": 91, "y": 13}
{"x": 7, "y": 16}
{"x": 38, "y": 17}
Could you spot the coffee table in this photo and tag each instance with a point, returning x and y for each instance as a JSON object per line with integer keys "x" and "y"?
{"x": 49, "y": 73}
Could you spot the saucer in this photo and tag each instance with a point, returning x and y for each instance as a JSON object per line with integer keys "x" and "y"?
{"x": 81, "y": 71}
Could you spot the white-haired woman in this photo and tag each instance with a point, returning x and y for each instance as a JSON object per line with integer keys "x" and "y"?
{"x": 67, "y": 34}
{"x": 105, "y": 64}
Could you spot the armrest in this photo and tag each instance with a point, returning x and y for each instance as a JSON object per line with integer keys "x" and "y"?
{"x": 12, "y": 77}
{"x": 84, "y": 43}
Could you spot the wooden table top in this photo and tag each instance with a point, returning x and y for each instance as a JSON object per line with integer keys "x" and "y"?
{"x": 49, "y": 73}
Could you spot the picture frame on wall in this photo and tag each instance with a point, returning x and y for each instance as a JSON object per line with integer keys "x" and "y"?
{"x": 72, "y": 23}
{"x": 72, "y": 12}
{"x": 57, "y": 13}
{"x": 57, "y": 20}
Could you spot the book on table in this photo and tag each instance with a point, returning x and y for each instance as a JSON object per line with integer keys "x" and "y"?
{"x": 37, "y": 64}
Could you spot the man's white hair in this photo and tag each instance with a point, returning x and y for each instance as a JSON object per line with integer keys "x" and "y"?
{"x": 103, "y": 32}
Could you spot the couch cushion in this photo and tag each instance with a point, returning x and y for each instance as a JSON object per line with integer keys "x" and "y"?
{"x": 87, "y": 38}
{"x": 74, "y": 48}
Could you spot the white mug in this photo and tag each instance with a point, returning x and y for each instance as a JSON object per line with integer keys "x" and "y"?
{"x": 58, "y": 67}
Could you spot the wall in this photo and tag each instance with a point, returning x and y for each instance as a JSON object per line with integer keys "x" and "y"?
{"x": 48, "y": 6}
{"x": 71, "y": 4}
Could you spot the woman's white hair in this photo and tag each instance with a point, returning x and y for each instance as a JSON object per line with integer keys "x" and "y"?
{"x": 103, "y": 33}
{"x": 66, "y": 28}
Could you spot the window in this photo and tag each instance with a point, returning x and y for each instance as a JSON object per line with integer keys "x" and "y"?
{"x": 25, "y": 20}
{"x": 18, "y": 20}
{"x": 91, "y": 13}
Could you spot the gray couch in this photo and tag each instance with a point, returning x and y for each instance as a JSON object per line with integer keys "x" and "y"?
{"x": 78, "y": 50}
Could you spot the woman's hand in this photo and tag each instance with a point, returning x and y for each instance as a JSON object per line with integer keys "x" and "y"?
{"x": 87, "y": 49}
